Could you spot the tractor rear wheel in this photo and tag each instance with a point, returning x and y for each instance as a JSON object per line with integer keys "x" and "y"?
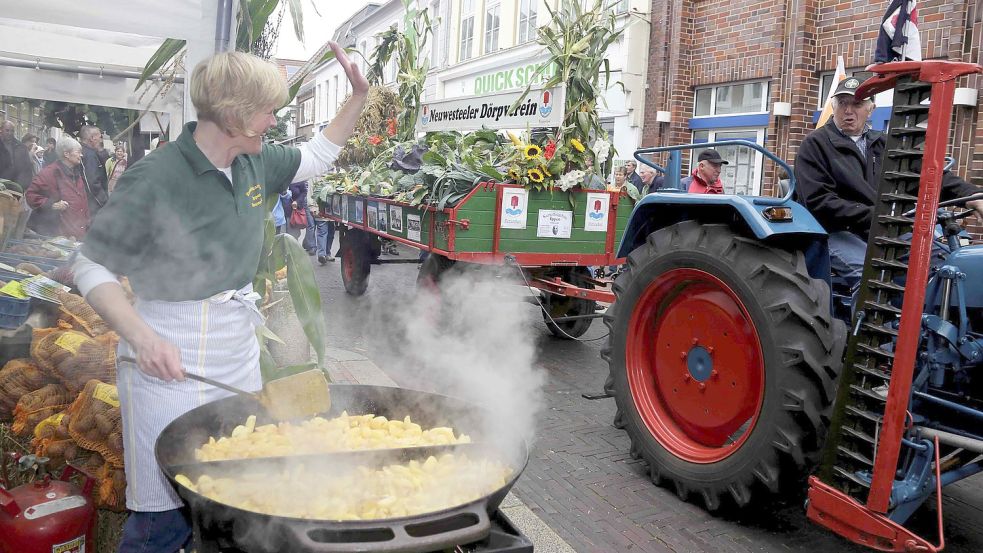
{"x": 723, "y": 359}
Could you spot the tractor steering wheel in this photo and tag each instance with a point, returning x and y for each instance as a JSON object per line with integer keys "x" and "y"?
{"x": 955, "y": 201}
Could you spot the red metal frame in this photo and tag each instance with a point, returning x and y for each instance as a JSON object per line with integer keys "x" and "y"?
{"x": 560, "y": 288}
{"x": 867, "y": 524}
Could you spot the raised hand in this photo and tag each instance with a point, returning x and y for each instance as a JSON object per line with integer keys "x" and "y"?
{"x": 360, "y": 85}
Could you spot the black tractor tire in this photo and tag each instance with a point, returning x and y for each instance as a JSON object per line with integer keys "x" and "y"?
{"x": 356, "y": 259}
{"x": 564, "y": 306}
{"x": 789, "y": 332}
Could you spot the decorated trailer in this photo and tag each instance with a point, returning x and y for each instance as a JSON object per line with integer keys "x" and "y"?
{"x": 551, "y": 238}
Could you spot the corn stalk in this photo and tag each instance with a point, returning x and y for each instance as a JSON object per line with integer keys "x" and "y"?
{"x": 577, "y": 41}
{"x": 412, "y": 65}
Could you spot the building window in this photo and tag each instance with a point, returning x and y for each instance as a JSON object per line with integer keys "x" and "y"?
{"x": 438, "y": 27}
{"x": 337, "y": 98}
{"x": 493, "y": 22}
{"x": 731, "y": 99}
{"x": 527, "y": 20}
{"x": 467, "y": 30}
{"x": 620, "y": 7}
{"x": 307, "y": 112}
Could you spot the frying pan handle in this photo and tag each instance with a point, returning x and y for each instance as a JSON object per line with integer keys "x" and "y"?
{"x": 419, "y": 534}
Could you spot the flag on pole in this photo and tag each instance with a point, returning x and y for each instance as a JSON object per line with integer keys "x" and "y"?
{"x": 899, "y": 39}
{"x": 838, "y": 76}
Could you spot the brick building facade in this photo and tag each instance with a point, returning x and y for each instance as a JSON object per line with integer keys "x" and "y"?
{"x": 712, "y": 59}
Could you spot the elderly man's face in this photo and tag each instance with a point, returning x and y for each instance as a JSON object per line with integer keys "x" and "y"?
{"x": 850, "y": 114}
{"x": 7, "y": 131}
{"x": 94, "y": 140}
{"x": 647, "y": 175}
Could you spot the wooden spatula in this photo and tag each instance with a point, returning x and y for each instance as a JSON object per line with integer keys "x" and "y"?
{"x": 298, "y": 396}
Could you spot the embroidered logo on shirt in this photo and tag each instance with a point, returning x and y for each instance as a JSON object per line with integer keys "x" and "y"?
{"x": 254, "y": 195}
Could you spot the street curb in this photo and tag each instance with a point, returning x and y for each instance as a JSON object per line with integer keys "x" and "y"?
{"x": 349, "y": 367}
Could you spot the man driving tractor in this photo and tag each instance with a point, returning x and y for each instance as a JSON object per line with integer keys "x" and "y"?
{"x": 836, "y": 172}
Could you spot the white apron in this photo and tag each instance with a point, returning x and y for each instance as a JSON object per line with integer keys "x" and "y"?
{"x": 217, "y": 339}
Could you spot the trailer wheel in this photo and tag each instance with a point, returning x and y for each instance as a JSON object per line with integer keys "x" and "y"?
{"x": 431, "y": 271}
{"x": 356, "y": 258}
{"x": 565, "y": 306}
{"x": 723, "y": 359}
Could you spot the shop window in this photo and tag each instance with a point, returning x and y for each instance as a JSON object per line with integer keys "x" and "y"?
{"x": 527, "y": 20}
{"x": 467, "y": 30}
{"x": 731, "y": 99}
{"x": 493, "y": 22}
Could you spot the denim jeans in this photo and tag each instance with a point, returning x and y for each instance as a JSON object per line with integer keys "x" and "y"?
{"x": 310, "y": 244}
{"x": 161, "y": 532}
{"x": 325, "y": 237}
{"x": 847, "y": 252}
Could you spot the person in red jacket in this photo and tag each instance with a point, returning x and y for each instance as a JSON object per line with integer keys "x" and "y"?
{"x": 706, "y": 176}
{"x": 58, "y": 195}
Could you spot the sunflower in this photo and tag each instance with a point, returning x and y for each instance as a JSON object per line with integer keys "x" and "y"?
{"x": 545, "y": 171}
{"x": 535, "y": 175}
{"x": 532, "y": 151}
{"x": 514, "y": 175}
{"x": 577, "y": 145}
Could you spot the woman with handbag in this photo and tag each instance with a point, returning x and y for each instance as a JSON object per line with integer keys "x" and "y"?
{"x": 57, "y": 194}
{"x": 297, "y": 218}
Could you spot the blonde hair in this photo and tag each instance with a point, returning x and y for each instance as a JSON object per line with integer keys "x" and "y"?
{"x": 229, "y": 88}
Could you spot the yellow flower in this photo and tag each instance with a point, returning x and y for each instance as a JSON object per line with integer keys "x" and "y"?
{"x": 532, "y": 151}
{"x": 577, "y": 145}
{"x": 536, "y": 175}
{"x": 545, "y": 170}
{"x": 515, "y": 139}
{"x": 514, "y": 175}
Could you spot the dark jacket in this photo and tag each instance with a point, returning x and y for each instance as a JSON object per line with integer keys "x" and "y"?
{"x": 635, "y": 179}
{"x": 59, "y": 182}
{"x": 17, "y": 167}
{"x": 838, "y": 186}
{"x": 298, "y": 193}
{"x": 96, "y": 180}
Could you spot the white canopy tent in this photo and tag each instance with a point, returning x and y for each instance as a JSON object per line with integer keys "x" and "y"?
{"x": 92, "y": 52}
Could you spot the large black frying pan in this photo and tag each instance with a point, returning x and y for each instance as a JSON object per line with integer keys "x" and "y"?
{"x": 261, "y": 532}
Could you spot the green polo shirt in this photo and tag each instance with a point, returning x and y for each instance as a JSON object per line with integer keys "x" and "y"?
{"x": 179, "y": 229}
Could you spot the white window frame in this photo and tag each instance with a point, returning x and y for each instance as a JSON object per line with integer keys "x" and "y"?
{"x": 491, "y": 34}
{"x": 763, "y": 108}
{"x": 620, "y": 8}
{"x": 465, "y": 49}
{"x": 528, "y": 13}
{"x": 307, "y": 112}
{"x": 337, "y": 98}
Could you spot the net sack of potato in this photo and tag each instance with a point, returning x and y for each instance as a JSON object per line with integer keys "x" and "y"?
{"x": 52, "y": 440}
{"x": 111, "y": 493}
{"x": 77, "y": 312}
{"x": 17, "y": 378}
{"x": 95, "y": 421}
{"x": 89, "y": 462}
{"x": 38, "y": 405}
{"x": 75, "y": 358}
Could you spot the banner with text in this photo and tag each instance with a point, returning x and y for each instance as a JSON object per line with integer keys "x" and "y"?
{"x": 540, "y": 108}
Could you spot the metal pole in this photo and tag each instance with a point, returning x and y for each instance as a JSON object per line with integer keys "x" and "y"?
{"x": 223, "y": 26}
{"x": 98, "y": 71}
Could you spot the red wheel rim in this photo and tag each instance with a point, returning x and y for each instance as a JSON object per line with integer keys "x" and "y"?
{"x": 695, "y": 365}
{"x": 347, "y": 264}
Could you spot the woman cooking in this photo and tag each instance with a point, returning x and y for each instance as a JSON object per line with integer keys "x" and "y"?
{"x": 57, "y": 194}
{"x": 186, "y": 226}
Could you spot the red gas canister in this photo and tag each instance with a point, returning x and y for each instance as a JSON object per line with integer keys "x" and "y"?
{"x": 46, "y": 515}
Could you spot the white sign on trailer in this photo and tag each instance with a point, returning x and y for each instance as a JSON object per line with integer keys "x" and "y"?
{"x": 540, "y": 108}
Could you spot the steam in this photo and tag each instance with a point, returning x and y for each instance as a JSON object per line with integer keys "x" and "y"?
{"x": 474, "y": 340}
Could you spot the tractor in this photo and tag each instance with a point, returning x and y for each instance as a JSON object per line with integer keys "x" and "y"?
{"x": 735, "y": 373}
